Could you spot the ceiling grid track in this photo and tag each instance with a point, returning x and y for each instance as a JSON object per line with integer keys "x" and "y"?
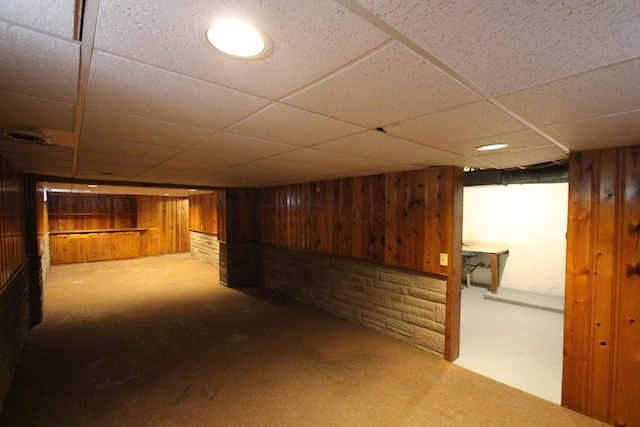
{"x": 89, "y": 26}
{"x": 365, "y": 14}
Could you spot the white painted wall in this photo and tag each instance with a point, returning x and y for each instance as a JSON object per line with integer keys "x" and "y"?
{"x": 532, "y": 219}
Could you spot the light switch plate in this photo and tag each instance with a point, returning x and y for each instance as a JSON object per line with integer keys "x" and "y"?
{"x": 444, "y": 259}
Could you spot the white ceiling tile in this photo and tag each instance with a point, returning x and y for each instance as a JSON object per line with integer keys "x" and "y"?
{"x": 516, "y": 140}
{"x": 35, "y": 149}
{"x": 598, "y": 93}
{"x": 393, "y": 85}
{"x": 116, "y": 159}
{"x": 290, "y": 125}
{"x": 326, "y": 158}
{"x": 127, "y": 148}
{"x": 516, "y": 158}
{"x": 505, "y": 45}
{"x": 380, "y": 146}
{"x": 22, "y": 110}
{"x": 212, "y": 160}
{"x": 25, "y": 57}
{"x": 372, "y": 145}
{"x": 311, "y": 39}
{"x": 228, "y": 143}
{"x": 109, "y": 124}
{"x": 102, "y": 170}
{"x": 139, "y": 90}
{"x": 277, "y": 167}
{"x": 597, "y": 144}
{"x": 609, "y": 127}
{"x": 48, "y": 16}
{"x": 41, "y": 165}
{"x": 472, "y": 121}
{"x": 179, "y": 168}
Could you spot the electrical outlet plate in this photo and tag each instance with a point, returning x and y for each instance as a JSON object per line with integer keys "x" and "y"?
{"x": 444, "y": 259}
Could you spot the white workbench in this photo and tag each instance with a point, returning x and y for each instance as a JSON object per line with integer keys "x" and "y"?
{"x": 495, "y": 249}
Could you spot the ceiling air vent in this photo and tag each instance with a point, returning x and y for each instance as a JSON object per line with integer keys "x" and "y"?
{"x": 21, "y": 135}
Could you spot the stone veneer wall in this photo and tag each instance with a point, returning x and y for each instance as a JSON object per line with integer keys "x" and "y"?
{"x": 205, "y": 247}
{"x": 407, "y": 305}
{"x": 45, "y": 259}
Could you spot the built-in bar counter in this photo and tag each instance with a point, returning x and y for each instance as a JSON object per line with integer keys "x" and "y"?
{"x": 75, "y": 246}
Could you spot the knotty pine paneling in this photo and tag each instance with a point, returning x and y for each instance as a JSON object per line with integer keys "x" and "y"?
{"x": 170, "y": 216}
{"x": 401, "y": 219}
{"x": 420, "y": 219}
{"x": 626, "y": 408}
{"x": 91, "y": 212}
{"x": 319, "y": 235}
{"x": 203, "y": 213}
{"x": 15, "y": 273}
{"x": 13, "y": 251}
{"x": 42, "y": 215}
{"x": 601, "y": 370}
{"x": 238, "y": 210}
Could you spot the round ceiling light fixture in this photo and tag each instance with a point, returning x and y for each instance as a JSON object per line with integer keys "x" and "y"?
{"x": 237, "y": 39}
{"x": 491, "y": 147}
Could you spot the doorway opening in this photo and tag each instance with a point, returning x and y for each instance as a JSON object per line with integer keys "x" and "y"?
{"x": 513, "y": 333}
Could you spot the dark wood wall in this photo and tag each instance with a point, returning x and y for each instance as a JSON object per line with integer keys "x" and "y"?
{"x": 13, "y": 251}
{"x": 203, "y": 213}
{"x": 15, "y": 274}
{"x": 601, "y": 375}
{"x": 69, "y": 212}
{"x": 403, "y": 219}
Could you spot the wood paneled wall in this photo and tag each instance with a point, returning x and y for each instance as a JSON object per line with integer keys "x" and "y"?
{"x": 237, "y": 215}
{"x": 15, "y": 273}
{"x": 403, "y": 219}
{"x": 203, "y": 213}
{"x": 42, "y": 213}
{"x": 70, "y": 212}
{"x": 13, "y": 250}
{"x": 170, "y": 215}
{"x": 166, "y": 218}
{"x": 601, "y": 375}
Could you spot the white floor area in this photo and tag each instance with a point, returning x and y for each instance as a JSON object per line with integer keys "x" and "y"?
{"x": 514, "y": 344}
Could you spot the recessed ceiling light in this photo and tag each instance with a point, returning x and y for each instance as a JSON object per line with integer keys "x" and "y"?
{"x": 92, "y": 186}
{"x": 193, "y": 189}
{"x": 238, "y": 40}
{"x": 491, "y": 147}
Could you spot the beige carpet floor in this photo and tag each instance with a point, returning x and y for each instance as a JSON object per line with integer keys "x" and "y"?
{"x": 158, "y": 342}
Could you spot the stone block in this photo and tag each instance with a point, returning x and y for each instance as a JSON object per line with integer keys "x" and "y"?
{"x": 387, "y": 312}
{"x": 400, "y": 327}
{"x": 441, "y": 313}
{"x": 429, "y": 339}
{"x": 343, "y": 310}
{"x": 418, "y": 302}
{"x": 373, "y": 318}
{"x": 433, "y": 284}
{"x": 426, "y": 323}
{"x": 424, "y": 313}
{"x": 378, "y": 297}
{"x": 427, "y": 295}
{"x": 386, "y": 286}
{"x": 394, "y": 334}
{"x": 365, "y": 272}
{"x": 400, "y": 279}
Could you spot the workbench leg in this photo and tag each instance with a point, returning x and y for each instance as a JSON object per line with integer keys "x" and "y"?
{"x": 495, "y": 268}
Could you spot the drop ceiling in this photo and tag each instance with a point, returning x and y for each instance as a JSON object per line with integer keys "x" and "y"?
{"x": 128, "y": 91}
